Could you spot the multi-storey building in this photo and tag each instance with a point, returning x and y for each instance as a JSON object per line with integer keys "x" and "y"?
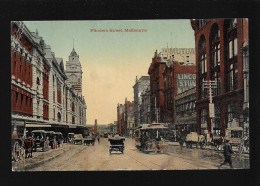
{"x": 140, "y": 85}
{"x": 40, "y": 95}
{"x": 178, "y": 77}
{"x": 145, "y": 107}
{"x": 120, "y": 117}
{"x": 219, "y": 57}
{"x": 155, "y": 71}
{"x": 185, "y": 112}
{"x": 129, "y": 118}
{"x": 125, "y": 118}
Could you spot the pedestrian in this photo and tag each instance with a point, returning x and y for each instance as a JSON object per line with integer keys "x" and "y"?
{"x": 98, "y": 138}
{"x": 227, "y": 154}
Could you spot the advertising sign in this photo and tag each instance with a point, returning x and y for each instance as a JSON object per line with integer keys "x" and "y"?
{"x": 185, "y": 82}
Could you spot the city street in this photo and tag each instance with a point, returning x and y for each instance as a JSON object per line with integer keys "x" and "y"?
{"x": 82, "y": 158}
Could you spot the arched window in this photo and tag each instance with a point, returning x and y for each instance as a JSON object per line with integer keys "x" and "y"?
{"x": 202, "y": 65}
{"x": 231, "y": 47}
{"x": 215, "y": 57}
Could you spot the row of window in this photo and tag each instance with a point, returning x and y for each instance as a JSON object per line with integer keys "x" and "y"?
{"x": 21, "y": 69}
{"x": 21, "y": 103}
{"x": 231, "y": 49}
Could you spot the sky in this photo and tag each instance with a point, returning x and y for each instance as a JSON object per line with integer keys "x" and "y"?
{"x": 111, "y": 60}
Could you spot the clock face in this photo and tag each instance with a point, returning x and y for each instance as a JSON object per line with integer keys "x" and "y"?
{"x": 73, "y": 78}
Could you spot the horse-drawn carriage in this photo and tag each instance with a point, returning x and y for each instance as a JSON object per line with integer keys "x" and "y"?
{"x": 89, "y": 140}
{"x": 237, "y": 140}
{"x": 40, "y": 140}
{"x": 116, "y": 144}
{"x": 152, "y": 138}
{"x": 18, "y": 129}
{"x": 78, "y": 139}
{"x": 193, "y": 138}
{"x": 71, "y": 137}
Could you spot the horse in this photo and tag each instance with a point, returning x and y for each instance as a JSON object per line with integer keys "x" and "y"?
{"x": 28, "y": 147}
{"x": 217, "y": 142}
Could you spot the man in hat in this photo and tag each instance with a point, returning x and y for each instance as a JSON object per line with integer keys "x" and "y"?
{"x": 227, "y": 154}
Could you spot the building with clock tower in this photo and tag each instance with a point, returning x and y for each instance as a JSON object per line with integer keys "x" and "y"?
{"x": 74, "y": 72}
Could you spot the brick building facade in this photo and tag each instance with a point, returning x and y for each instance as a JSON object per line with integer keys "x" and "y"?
{"x": 120, "y": 118}
{"x": 40, "y": 94}
{"x": 155, "y": 71}
{"x": 219, "y": 57}
{"x": 178, "y": 77}
{"x": 125, "y": 118}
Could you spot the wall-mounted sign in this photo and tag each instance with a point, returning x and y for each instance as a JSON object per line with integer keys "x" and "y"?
{"x": 185, "y": 82}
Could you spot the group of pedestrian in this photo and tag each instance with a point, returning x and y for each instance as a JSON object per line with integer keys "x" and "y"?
{"x": 227, "y": 150}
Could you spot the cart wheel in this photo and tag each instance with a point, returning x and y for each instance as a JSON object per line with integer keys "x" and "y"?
{"x": 110, "y": 151}
{"x": 22, "y": 152}
{"x": 16, "y": 151}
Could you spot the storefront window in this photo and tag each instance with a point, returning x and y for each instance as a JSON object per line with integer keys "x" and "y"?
{"x": 232, "y": 111}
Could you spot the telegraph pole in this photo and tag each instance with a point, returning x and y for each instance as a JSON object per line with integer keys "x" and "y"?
{"x": 156, "y": 110}
{"x": 209, "y": 85}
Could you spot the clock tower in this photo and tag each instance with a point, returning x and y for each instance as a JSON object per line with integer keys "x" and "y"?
{"x": 74, "y": 72}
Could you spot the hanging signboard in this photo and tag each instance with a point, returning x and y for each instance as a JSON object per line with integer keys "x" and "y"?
{"x": 211, "y": 110}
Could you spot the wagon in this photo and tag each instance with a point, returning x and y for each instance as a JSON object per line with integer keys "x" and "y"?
{"x": 236, "y": 139}
{"x": 71, "y": 137}
{"x": 18, "y": 129}
{"x": 89, "y": 140}
{"x": 78, "y": 139}
{"x": 40, "y": 140}
{"x": 194, "y": 139}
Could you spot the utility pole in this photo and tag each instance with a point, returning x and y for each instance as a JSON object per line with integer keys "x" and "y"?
{"x": 156, "y": 110}
{"x": 209, "y": 85}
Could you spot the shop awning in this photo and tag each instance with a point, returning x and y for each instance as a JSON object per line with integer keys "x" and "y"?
{"x": 36, "y": 125}
{"x": 72, "y": 126}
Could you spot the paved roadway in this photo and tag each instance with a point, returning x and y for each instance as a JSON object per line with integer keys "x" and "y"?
{"x": 82, "y": 158}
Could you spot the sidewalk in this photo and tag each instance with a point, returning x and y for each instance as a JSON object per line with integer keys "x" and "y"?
{"x": 39, "y": 158}
{"x": 207, "y": 147}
